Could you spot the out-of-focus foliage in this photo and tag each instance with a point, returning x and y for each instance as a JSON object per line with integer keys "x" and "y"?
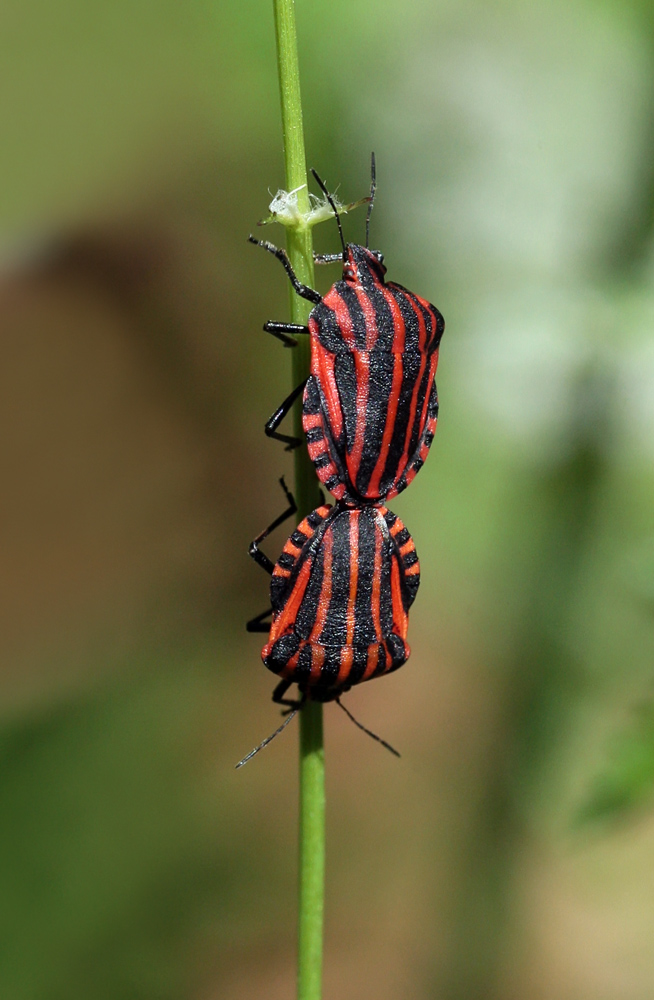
{"x": 628, "y": 780}
{"x": 514, "y": 148}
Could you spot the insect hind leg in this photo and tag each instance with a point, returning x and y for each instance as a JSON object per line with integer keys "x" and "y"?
{"x": 260, "y": 557}
{"x": 292, "y": 704}
{"x": 275, "y": 420}
{"x": 257, "y": 624}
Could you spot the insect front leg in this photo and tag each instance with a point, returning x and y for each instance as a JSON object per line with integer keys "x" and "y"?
{"x": 327, "y": 258}
{"x": 260, "y": 557}
{"x": 302, "y": 290}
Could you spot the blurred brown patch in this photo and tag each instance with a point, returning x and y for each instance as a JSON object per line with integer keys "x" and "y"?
{"x": 116, "y": 374}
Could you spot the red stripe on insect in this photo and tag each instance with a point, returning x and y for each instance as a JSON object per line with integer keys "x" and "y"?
{"x": 322, "y": 367}
{"x": 345, "y": 668}
{"x": 400, "y": 617}
{"x": 369, "y": 318}
{"x": 317, "y": 661}
{"x": 362, "y": 368}
{"x": 375, "y": 597}
{"x": 339, "y": 490}
{"x": 288, "y": 614}
{"x": 354, "y": 576}
{"x": 326, "y": 588}
{"x": 343, "y": 318}
{"x": 371, "y": 662}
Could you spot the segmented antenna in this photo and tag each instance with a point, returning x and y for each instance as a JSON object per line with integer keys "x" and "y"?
{"x": 267, "y": 740}
{"x": 368, "y": 731}
{"x": 373, "y": 188}
{"x": 329, "y": 198}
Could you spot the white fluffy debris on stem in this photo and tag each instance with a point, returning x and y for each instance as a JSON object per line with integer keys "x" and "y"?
{"x": 284, "y": 208}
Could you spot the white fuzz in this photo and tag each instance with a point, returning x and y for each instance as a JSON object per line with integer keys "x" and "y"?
{"x": 284, "y": 209}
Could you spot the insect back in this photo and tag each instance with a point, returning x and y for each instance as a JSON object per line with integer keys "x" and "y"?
{"x": 340, "y": 594}
{"x": 370, "y": 405}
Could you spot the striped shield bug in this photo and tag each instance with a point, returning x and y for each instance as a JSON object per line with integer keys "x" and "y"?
{"x": 340, "y": 595}
{"x": 370, "y": 404}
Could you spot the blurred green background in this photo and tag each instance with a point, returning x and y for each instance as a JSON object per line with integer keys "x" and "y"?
{"x": 509, "y": 853}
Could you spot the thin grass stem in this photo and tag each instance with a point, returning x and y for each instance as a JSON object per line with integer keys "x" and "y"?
{"x": 312, "y": 760}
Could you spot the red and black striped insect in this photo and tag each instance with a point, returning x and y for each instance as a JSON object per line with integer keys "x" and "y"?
{"x": 340, "y": 596}
{"x": 370, "y": 404}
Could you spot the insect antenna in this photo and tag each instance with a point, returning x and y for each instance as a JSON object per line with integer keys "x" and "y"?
{"x": 371, "y": 201}
{"x": 368, "y": 731}
{"x": 267, "y": 740}
{"x": 329, "y": 198}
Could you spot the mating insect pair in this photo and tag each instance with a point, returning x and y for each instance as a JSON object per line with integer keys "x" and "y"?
{"x": 343, "y": 586}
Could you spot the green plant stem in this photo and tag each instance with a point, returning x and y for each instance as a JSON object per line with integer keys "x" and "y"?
{"x": 312, "y": 761}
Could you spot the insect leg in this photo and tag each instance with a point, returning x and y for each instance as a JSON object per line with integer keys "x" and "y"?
{"x": 327, "y": 258}
{"x": 302, "y": 290}
{"x": 281, "y": 331}
{"x": 260, "y": 557}
{"x": 365, "y": 730}
{"x": 273, "y": 423}
{"x": 267, "y": 740}
{"x": 257, "y": 624}
{"x": 292, "y": 703}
